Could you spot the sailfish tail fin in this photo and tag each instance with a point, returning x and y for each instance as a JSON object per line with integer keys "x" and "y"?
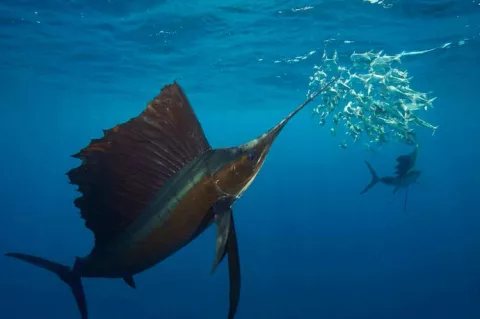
{"x": 65, "y": 273}
{"x": 374, "y": 181}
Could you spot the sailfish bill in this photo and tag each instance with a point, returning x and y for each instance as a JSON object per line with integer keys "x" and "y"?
{"x": 153, "y": 184}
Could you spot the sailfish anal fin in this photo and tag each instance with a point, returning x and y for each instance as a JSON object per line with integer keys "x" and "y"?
{"x": 129, "y": 281}
{"x": 122, "y": 171}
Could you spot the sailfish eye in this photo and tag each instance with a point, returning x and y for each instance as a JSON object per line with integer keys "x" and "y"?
{"x": 251, "y": 155}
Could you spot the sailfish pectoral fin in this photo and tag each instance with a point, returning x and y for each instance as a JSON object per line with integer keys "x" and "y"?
{"x": 223, "y": 221}
{"x": 222, "y": 212}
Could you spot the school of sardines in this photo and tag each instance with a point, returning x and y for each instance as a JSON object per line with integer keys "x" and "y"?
{"x": 371, "y": 97}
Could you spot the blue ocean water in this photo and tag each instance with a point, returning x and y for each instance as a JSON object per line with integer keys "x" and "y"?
{"x": 310, "y": 245}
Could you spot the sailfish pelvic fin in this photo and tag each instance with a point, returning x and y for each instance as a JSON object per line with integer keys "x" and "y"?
{"x": 233, "y": 270}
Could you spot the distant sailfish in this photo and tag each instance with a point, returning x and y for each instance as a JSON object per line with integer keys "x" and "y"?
{"x": 151, "y": 185}
{"x": 405, "y": 175}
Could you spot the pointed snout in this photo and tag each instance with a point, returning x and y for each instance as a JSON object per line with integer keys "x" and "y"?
{"x": 261, "y": 145}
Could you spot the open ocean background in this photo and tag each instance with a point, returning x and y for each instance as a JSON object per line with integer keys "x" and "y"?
{"x": 310, "y": 245}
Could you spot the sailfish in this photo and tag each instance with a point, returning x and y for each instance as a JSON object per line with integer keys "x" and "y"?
{"x": 153, "y": 184}
{"x": 405, "y": 175}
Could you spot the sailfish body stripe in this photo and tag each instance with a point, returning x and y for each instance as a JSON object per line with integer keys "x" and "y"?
{"x": 163, "y": 206}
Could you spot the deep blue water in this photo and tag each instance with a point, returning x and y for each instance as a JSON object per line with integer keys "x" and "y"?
{"x": 310, "y": 245}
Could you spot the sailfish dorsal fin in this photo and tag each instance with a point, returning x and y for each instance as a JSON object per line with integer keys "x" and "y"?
{"x": 405, "y": 163}
{"x": 122, "y": 171}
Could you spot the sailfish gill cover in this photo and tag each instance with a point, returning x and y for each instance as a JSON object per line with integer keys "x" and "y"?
{"x": 310, "y": 245}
